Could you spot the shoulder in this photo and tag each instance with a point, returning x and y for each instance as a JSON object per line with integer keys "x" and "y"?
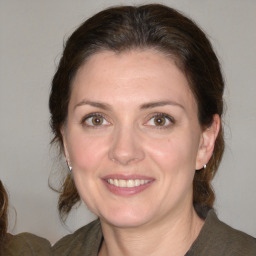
{"x": 26, "y": 244}
{"x": 235, "y": 239}
{"x": 217, "y": 238}
{"x": 85, "y": 240}
{"x": 235, "y": 242}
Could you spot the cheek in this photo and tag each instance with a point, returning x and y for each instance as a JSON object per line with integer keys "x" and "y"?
{"x": 86, "y": 153}
{"x": 175, "y": 153}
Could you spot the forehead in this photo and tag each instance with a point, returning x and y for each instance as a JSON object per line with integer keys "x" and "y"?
{"x": 143, "y": 75}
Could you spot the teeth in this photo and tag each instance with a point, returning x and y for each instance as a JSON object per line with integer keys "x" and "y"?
{"x": 130, "y": 183}
{"x": 127, "y": 183}
{"x": 138, "y": 182}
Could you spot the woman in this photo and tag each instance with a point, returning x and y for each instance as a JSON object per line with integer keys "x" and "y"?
{"x": 21, "y": 244}
{"x": 136, "y": 107}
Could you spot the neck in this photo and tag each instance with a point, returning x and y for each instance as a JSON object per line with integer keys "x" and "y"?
{"x": 173, "y": 235}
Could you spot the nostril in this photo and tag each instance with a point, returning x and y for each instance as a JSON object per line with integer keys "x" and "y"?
{"x": 123, "y": 160}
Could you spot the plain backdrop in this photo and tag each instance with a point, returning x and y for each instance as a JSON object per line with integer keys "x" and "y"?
{"x": 31, "y": 41}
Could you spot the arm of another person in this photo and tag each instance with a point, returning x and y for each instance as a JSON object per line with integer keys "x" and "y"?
{"x": 22, "y": 244}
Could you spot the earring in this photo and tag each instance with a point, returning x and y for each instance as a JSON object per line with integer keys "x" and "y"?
{"x": 69, "y": 166}
{"x": 205, "y": 166}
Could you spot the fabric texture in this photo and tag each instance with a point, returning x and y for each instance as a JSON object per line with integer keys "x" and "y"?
{"x": 26, "y": 244}
{"x": 215, "y": 239}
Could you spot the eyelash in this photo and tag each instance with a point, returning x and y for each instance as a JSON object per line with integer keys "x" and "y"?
{"x": 159, "y": 115}
{"x": 87, "y": 117}
{"x": 154, "y": 116}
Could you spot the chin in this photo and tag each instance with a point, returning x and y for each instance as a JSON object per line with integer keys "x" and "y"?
{"x": 126, "y": 219}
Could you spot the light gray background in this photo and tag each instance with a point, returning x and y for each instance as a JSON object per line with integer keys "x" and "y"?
{"x": 32, "y": 34}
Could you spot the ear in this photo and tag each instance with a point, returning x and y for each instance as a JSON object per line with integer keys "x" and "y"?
{"x": 65, "y": 147}
{"x": 207, "y": 142}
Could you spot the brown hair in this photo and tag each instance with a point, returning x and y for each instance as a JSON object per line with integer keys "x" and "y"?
{"x": 3, "y": 215}
{"x": 149, "y": 26}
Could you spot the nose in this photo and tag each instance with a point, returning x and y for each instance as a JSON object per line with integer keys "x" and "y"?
{"x": 126, "y": 147}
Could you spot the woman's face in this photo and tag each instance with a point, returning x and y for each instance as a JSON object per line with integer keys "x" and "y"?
{"x": 133, "y": 138}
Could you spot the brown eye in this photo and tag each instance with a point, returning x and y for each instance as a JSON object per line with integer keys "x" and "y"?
{"x": 160, "y": 120}
{"x": 95, "y": 120}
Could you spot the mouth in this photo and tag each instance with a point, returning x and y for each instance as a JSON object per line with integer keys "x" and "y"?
{"x": 127, "y": 183}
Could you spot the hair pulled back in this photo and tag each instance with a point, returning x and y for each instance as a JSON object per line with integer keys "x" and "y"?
{"x": 154, "y": 26}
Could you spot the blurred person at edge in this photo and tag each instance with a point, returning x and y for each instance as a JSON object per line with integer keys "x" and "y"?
{"x": 136, "y": 107}
{"x": 21, "y": 244}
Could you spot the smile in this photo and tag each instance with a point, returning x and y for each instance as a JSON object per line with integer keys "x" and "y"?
{"x": 127, "y": 183}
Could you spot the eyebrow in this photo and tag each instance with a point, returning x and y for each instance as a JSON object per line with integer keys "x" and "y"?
{"x": 101, "y": 105}
{"x": 160, "y": 103}
{"x": 148, "y": 105}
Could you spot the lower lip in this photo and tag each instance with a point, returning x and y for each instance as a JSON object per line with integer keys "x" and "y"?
{"x": 127, "y": 191}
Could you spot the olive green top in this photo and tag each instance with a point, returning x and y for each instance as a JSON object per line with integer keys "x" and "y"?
{"x": 215, "y": 239}
{"x": 26, "y": 244}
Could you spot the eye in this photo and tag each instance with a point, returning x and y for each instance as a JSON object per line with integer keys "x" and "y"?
{"x": 95, "y": 120}
{"x": 160, "y": 120}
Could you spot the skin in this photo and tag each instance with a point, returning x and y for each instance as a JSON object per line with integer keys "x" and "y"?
{"x": 146, "y": 124}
